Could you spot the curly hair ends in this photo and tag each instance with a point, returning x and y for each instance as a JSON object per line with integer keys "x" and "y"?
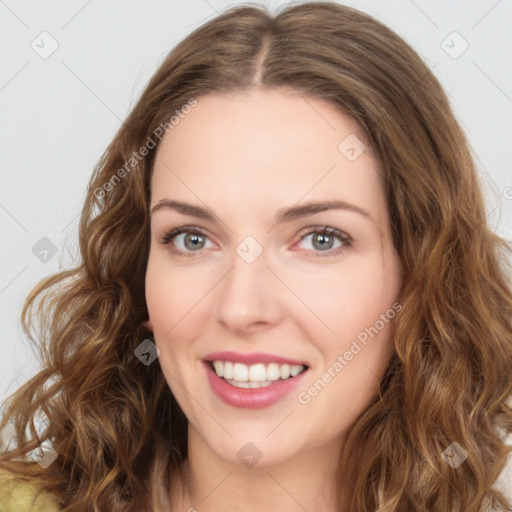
{"x": 118, "y": 431}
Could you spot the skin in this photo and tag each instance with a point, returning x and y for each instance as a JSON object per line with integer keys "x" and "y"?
{"x": 245, "y": 156}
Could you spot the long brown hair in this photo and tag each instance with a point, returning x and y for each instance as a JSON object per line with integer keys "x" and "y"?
{"x": 113, "y": 421}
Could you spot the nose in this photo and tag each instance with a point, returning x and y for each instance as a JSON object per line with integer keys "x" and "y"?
{"x": 249, "y": 297}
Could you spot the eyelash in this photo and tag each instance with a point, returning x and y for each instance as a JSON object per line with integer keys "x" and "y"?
{"x": 344, "y": 238}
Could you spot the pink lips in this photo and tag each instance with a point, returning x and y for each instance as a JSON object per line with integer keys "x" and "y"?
{"x": 253, "y": 358}
{"x": 252, "y": 398}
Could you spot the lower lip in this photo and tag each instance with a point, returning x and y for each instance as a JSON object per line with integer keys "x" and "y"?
{"x": 251, "y": 398}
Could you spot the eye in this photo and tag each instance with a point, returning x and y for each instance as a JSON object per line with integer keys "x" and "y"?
{"x": 193, "y": 240}
{"x": 323, "y": 238}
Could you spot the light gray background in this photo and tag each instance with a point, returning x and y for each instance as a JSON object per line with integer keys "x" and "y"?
{"x": 59, "y": 113}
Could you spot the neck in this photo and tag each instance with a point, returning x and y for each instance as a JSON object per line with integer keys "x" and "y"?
{"x": 307, "y": 481}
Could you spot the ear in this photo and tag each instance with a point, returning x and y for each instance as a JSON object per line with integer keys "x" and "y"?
{"x": 148, "y": 325}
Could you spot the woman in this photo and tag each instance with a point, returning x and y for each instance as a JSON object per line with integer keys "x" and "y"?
{"x": 289, "y": 295}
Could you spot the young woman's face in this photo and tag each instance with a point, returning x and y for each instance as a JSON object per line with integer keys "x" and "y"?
{"x": 256, "y": 290}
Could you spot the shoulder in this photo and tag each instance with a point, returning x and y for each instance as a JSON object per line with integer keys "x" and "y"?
{"x": 19, "y": 496}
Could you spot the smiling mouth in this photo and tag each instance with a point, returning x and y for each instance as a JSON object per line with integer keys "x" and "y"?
{"x": 255, "y": 376}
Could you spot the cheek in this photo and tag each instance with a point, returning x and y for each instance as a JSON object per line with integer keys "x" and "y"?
{"x": 179, "y": 302}
{"x": 169, "y": 297}
{"x": 364, "y": 329}
{"x": 347, "y": 299}
{"x": 171, "y": 293}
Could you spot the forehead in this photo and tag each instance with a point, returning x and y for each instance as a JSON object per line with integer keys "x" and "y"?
{"x": 272, "y": 146}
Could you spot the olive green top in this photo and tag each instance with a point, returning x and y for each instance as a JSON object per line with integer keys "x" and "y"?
{"x": 19, "y": 496}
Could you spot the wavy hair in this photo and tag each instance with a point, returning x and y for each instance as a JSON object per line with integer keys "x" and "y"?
{"x": 118, "y": 431}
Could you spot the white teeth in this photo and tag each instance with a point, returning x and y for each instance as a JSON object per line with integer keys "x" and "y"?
{"x": 227, "y": 370}
{"x": 295, "y": 369}
{"x": 256, "y": 375}
{"x": 240, "y": 372}
{"x": 285, "y": 371}
{"x": 273, "y": 371}
{"x": 241, "y": 384}
{"x": 252, "y": 385}
{"x": 219, "y": 368}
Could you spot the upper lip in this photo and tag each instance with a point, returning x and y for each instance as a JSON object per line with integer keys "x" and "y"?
{"x": 251, "y": 358}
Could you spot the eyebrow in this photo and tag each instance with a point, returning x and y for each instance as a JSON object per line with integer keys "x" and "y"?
{"x": 283, "y": 215}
